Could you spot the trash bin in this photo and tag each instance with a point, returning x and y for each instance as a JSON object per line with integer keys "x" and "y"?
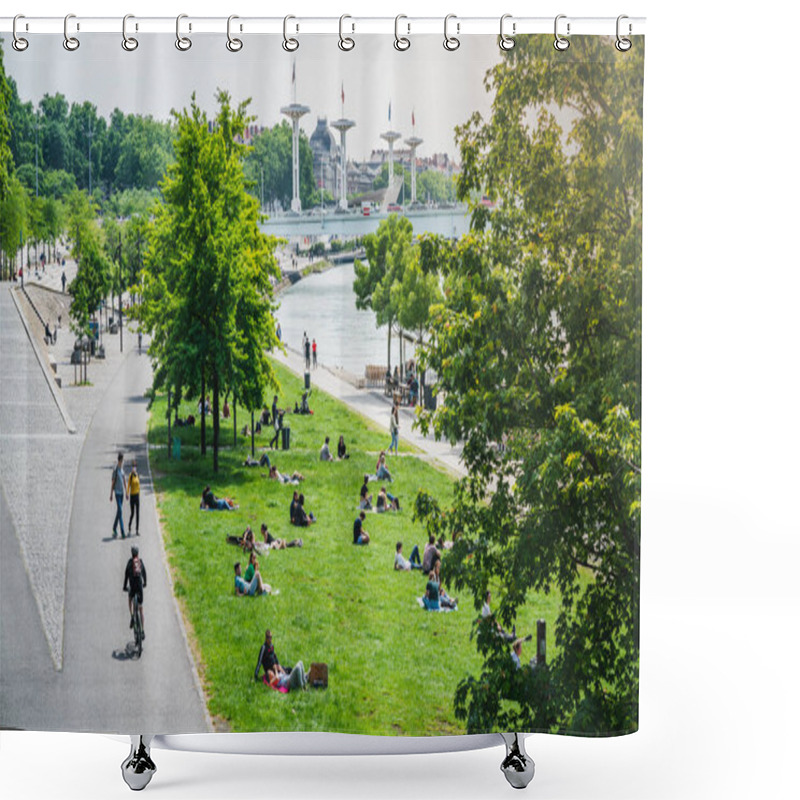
{"x": 176, "y": 448}
{"x": 307, "y": 380}
{"x": 285, "y": 435}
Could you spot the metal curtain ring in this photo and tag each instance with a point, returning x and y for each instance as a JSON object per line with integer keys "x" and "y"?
{"x": 128, "y": 42}
{"x": 506, "y": 42}
{"x": 19, "y": 43}
{"x": 290, "y": 44}
{"x": 560, "y": 43}
{"x": 346, "y": 43}
{"x": 183, "y": 43}
{"x": 623, "y": 44}
{"x": 71, "y": 43}
{"x": 451, "y": 43}
{"x": 401, "y": 43}
{"x": 233, "y": 44}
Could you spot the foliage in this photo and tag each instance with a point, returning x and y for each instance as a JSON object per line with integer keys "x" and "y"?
{"x": 207, "y": 291}
{"x": 537, "y": 346}
{"x": 271, "y": 158}
{"x": 13, "y": 217}
{"x": 91, "y": 284}
{"x": 382, "y": 179}
{"x": 435, "y": 187}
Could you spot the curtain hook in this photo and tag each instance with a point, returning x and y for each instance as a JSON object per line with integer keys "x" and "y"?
{"x": 507, "y": 42}
{"x": 290, "y": 44}
{"x": 401, "y": 43}
{"x": 560, "y": 43}
{"x": 346, "y": 43}
{"x": 183, "y": 43}
{"x": 623, "y": 44}
{"x": 233, "y": 44}
{"x": 19, "y": 43}
{"x": 71, "y": 43}
{"x": 128, "y": 42}
{"x": 451, "y": 43}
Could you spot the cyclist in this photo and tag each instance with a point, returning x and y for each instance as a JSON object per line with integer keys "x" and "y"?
{"x": 135, "y": 581}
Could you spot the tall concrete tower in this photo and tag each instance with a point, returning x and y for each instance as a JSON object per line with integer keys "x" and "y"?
{"x": 413, "y": 142}
{"x": 343, "y": 125}
{"x": 294, "y": 112}
{"x": 391, "y": 137}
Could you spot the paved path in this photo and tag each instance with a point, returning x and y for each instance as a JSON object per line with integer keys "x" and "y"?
{"x": 98, "y": 688}
{"x": 376, "y": 407}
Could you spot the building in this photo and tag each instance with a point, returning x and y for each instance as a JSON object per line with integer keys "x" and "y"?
{"x": 326, "y": 156}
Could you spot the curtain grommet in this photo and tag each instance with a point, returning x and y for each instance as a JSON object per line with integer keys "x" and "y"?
{"x": 290, "y": 44}
{"x": 346, "y": 43}
{"x": 183, "y": 43}
{"x": 19, "y": 43}
{"x": 233, "y": 44}
{"x": 451, "y": 43}
{"x": 129, "y": 43}
{"x": 506, "y": 42}
{"x": 623, "y": 44}
{"x": 401, "y": 43}
{"x": 560, "y": 43}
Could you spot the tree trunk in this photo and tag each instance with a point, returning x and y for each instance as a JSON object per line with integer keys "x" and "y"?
{"x": 203, "y": 413}
{"x": 389, "y": 349}
{"x": 215, "y": 412}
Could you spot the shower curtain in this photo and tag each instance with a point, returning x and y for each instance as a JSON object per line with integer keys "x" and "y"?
{"x": 321, "y": 390}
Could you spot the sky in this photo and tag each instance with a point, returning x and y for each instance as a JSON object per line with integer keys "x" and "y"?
{"x": 441, "y": 88}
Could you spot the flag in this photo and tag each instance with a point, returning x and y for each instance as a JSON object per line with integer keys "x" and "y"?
{"x": 293, "y": 75}
{"x": 413, "y": 123}
{"x": 390, "y": 111}
{"x": 342, "y": 93}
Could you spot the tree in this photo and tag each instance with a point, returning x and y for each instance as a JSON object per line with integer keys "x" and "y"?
{"x": 387, "y": 252}
{"x": 537, "y": 346}
{"x": 13, "y": 220}
{"x": 207, "y": 296}
{"x": 382, "y": 179}
{"x": 436, "y": 187}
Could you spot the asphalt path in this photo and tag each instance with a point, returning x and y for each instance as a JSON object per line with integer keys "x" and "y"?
{"x": 102, "y": 686}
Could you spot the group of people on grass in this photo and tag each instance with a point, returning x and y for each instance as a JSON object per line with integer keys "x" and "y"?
{"x": 341, "y": 450}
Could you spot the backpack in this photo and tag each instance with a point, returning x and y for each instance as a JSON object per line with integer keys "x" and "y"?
{"x": 137, "y": 567}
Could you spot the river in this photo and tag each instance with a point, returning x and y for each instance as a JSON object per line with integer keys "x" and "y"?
{"x": 324, "y": 305}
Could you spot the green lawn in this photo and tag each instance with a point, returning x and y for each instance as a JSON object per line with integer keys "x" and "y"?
{"x": 393, "y": 667}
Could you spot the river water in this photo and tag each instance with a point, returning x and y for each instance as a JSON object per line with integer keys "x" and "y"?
{"x": 324, "y": 306}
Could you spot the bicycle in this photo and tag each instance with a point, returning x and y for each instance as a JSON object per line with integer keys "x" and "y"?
{"x": 137, "y": 626}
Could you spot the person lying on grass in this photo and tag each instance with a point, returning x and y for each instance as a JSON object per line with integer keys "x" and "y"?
{"x": 401, "y": 563}
{"x": 360, "y": 536}
{"x": 381, "y": 470}
{"x": 272, "y": 543}
{"x": 244, "y": 588}
{"x": 302, "y": 518}
{"x": 386, "y": 501}
{"x": 261, "y": 462}
{"x": 297, "y": 678}
{"x": 365, "y": 498}
{"x": 213, "y": 503}
{"x": 281, "y": 477}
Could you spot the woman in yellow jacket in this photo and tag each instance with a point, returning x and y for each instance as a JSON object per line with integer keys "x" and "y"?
{"x": 133, "y": 493}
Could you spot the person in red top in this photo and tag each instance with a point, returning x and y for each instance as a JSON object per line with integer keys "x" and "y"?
{"x": 314, "y": 352}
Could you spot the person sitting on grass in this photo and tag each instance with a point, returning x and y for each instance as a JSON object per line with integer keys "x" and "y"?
{"x": 342, "y": 449}
{"x": 401, "y": 563}
{"x": 360, "y": 536}
{"x": 282, "y": 477}
{"x": 430, "y": 554}
{"x": 251, "y": 588}
{"x": 304, "y": 409}
{"x": 381, "y": 470}
{"x": 486, "y": 614}
{"x": 302, "y": 518}
{"x": 273, "y": 543}
{"x": 213, "y": 503}
{"x": 386, "y": 501}
{"x": 325, "y": 453}
{"x": 365, "y": 498}
{"x": 261, "y": 462}
{"x": 444, "y": 599}
{"x": 431, "y": 597}
{"x": 248, "y": 541}
{"x": 297, "y": 678}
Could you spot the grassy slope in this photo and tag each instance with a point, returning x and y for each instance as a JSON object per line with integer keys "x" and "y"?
{"x": 393, "y": 667}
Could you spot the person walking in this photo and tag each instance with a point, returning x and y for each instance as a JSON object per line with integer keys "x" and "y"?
{"x": 394, "y": 428}
{"x": 63, "y": 281}
{"x": 119, "y": 491}
{"x": 314, "y": 352}
{"x": 308, "y": 353}
{"x": 133, "y": 493}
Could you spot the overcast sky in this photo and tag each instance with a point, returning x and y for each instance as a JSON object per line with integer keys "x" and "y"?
{"x": 442, "y": 88}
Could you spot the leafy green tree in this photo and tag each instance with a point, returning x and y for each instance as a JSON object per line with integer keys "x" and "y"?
{"x": 57, "y": 183}
{"x": 13, "y": 220}
{"x": 537, "y": 346}
{"x": 436, "y": 187}
{"x": 207, "y": 298}
{"x": 382, "y": 180}
{"x": 387, "y": 251}
{"x": 6, "y": 160}
{"x": 81, "y": 213}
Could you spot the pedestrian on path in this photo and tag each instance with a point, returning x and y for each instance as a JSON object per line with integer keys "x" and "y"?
{"x": 133, "y": 493}
{"x": 308, "y": 353}
{"x": 63, "y": 281}
{"x": 119, "y": 492}
{"x": 394, "y": 428}
{"x": 314, "y": 352}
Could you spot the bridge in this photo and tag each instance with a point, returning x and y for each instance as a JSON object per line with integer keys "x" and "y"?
{"x": 449, "y": 222}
